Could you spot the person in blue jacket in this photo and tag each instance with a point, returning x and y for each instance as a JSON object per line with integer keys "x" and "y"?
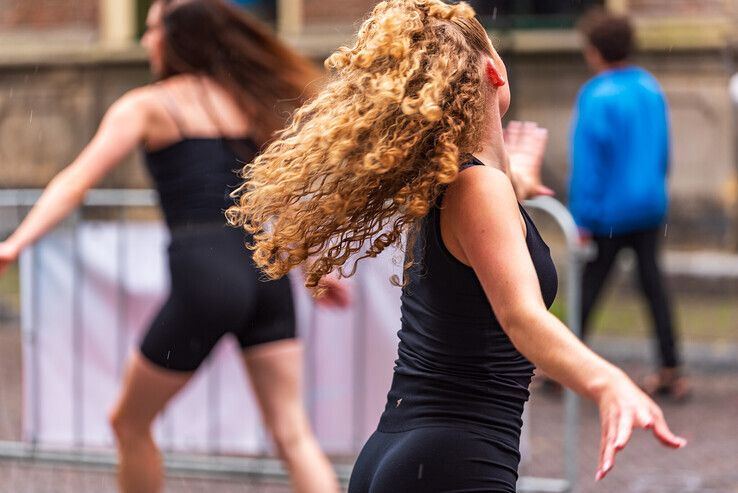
{"x": 618, "y": 184}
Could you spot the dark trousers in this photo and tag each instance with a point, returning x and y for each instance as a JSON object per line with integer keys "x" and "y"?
{"x": 645, "y": 246}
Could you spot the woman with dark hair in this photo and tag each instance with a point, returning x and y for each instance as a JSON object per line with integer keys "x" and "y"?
{"x": 226, "y": 85}
{"x": 408, "y": 138}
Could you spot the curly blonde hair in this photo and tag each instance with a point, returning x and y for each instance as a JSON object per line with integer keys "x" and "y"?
{"x": 364, "y": 161}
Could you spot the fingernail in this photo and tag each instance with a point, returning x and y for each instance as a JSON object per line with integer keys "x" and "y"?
{"x": 606, "y": 466}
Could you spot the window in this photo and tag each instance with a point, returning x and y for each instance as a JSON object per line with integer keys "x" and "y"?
{"x": 526, "y": 14}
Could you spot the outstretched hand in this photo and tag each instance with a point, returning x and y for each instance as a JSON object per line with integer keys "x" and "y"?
{"x": 333, "y": 293}
{"x": 525, "y": 143}
{"x": 623, "y": 407}
{"x": 8, "y": 255}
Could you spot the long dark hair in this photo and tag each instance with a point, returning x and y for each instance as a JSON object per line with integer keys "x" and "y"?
{"x": 214, "y": 38}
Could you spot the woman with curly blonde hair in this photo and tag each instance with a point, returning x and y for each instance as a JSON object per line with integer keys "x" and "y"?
{"x": 408, "y": 138}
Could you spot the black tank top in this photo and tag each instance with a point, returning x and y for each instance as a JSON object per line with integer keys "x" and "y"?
{"x": 456, "y": 366}
{"x": 195, "y": 176}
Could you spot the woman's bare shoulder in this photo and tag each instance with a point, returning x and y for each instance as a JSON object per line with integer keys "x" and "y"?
{"x": 140, "y": 99}
{"x": 480, "y": 186}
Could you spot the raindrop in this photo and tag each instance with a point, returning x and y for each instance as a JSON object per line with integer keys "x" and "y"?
{"x": 494, "y": 14}
{"x": 30, "y": 118}
{"x": 666, "y": 228}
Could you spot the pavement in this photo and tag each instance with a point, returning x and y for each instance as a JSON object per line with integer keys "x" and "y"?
{"x": 709, "y": 420}
{"x": 708, "y": 464}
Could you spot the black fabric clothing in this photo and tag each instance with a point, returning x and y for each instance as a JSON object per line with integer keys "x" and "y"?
{"x": 433, "y": 459}
{"x": 195, "y": 176}
{"x": 645, "y": 245}
{"x": 215, "y": 290}
{"x": 456, "y": 369}
{"x": 215, "y": 287}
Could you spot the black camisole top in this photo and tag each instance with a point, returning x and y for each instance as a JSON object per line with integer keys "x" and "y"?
{"x": 195, "y": 176}
{"x": 456, "y": 366}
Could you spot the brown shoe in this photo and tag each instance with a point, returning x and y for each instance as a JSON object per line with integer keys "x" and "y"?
{"x": 668, "y": 382}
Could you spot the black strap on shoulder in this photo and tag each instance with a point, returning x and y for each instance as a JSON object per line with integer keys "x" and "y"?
{"x": 472, "y": 161}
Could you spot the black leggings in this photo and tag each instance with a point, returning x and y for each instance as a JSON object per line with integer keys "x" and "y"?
{"x": 434, "y": 459}
{"x": 645, "y": 246}
{"x": 215, "y": 290}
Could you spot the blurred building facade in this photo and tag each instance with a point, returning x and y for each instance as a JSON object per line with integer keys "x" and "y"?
{"x": 62, "y": 62}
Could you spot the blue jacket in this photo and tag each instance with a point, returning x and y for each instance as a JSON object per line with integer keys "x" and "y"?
{"x": 619, "y": 153}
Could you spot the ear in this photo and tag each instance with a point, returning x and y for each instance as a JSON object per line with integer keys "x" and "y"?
{"x": 494, "y": 76}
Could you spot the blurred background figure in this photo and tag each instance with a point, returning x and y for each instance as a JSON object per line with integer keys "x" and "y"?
{"x": 618, "y": 183}
{"x": 225, "y": 86}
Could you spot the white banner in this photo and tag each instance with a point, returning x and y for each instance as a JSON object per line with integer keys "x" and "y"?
{"x": 79, "y": 330}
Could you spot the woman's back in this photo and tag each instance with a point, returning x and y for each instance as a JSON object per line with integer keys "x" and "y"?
{"x": 198, "y": 137}
{"x": 455, "y": 363}
{"x": 191, "y": 106}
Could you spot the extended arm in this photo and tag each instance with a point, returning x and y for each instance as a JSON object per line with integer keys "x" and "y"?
{"x": 122, "y": 128}
{"x": 483, "y": 220}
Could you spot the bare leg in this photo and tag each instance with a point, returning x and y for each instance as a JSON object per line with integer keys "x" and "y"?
{"x": 275, "y": 370}
{"x": 146, "y": 390}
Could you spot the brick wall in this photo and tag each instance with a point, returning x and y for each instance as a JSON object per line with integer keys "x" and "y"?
{"x": 47, "y": 14}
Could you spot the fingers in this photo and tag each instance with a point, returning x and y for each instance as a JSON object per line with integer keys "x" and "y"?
{"x": 526, "y": 138}
{"x": 511, "y": 133}
{"x": 533, "y": 140}
{"x": 516, "y": 131}
{"x": 664, "y": 434}
{"x": 543, "y": 190}
{"x": 607, "y": 445}
{"x": 617, "y": 429}
{"x": 625, "y": 430}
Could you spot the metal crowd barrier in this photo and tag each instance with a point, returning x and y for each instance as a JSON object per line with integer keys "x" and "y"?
{"x": 264, "y": 467}
{"x": 578, "y": 254}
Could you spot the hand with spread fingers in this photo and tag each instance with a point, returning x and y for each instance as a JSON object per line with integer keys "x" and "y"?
{"x": 525, "y": 143}
{"x": 624, "y": 407}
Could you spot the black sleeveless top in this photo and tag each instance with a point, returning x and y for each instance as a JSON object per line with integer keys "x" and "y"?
{"x": 456, "y": 366}
{"x": 195, "y": 176}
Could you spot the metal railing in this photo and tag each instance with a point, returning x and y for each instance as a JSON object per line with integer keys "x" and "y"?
{"x": 265, "y": 466}
{"x": 578, "y": 255}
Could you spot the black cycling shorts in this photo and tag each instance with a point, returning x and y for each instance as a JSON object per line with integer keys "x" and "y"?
{"x": 215, "y": 290}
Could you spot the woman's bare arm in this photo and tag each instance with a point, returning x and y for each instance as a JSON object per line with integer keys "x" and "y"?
{"x": 120, "y": 131}
{"x": 482, "y": 217}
